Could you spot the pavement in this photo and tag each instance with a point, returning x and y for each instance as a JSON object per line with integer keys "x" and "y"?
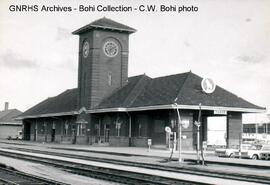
{"x": 136, "y": 154}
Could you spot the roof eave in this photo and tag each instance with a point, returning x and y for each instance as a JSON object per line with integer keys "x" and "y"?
{"x": 171, "y": 106}
{"x": 86, "y": 28}
{"x": 47, "y": 115}
{"x": 145, "y": 108}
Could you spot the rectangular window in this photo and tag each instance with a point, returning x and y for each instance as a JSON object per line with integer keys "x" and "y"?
{"x": 118, "y": 128}
{"x": 81, "y": 129}
{"x": 140, "y": 130}
{"x": 53, "y": 125}
{"x": 66, "y": 128}
{"x": 44, "y": 128}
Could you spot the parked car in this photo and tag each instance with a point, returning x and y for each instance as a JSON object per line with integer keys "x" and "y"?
{"x": 233, "y": 151}
{"x": 255, "y": 151}
{"x": 244, "y": 147}
{"x": 16, "y": 137}
{"x": 227, "y": 152}
{"x": 265, "y": 155}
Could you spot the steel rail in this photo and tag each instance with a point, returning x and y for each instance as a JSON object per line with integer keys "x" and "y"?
{"x": 178, "y": 169}
{"x": 15, "y": 177}
{"x": 104, "y": 173}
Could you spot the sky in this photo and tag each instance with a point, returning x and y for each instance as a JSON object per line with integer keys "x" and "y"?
{"x": 228, "y": 41}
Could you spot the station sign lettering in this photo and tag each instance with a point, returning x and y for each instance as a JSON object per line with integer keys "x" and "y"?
{"x": 220, "y": 112}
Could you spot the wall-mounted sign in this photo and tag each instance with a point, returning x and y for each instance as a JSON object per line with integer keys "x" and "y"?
{"x": 185, "y": 123}
{"x": 149, "y": 142}
{"x": 208, "y": 85}
{"x": 168, "y": 129}
{"x": 220, "y": 112}
{"x": 197, "y": 123}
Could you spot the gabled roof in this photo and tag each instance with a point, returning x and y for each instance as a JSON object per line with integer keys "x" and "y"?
{"x": 64, "y": 103}
{"x": 192, "y": 94}
{"x": 8, "y": 116}
{"x": 125, "y": 96}
{"x": 143, "y": 91}
{"x": 105, "y": 23}
{"x": 183, "y": 89}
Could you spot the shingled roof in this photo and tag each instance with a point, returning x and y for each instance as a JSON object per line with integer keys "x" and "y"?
{"x": 8, "y": 116}
{"x": 183, "y": 89}
{"x": 105, "y": 23}
{"x": 143, "y": 91}
{"x": 64, "y": 103}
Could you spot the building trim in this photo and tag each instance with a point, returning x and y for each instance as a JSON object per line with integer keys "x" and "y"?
{"x": 144, "y": 108}
{"x": 171, "y": 106}
{"x": 48, "y": 115}
{"x": 10, "y": 124}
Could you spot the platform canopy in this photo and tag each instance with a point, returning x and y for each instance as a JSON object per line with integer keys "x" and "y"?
{"x": 145, "y": 93}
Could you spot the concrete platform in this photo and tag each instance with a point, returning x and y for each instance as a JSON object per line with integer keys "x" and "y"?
{"x": 139, "y": 151}
{"x": 196, "y": 178}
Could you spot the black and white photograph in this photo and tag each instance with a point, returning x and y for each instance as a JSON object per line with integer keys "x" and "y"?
{"x": 136, "y": 92}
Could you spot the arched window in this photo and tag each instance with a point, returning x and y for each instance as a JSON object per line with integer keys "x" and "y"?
{"x": 109, "y": 78}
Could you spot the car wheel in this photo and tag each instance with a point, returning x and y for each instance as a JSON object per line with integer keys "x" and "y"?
{"x": 254, "y": 157}
{"x": 231, "y": 155}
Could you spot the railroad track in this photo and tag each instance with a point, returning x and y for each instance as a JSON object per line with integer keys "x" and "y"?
{"x": 13, "y": 177}
{"x": 103, "y": 173}
{"x": 178, "y": 169}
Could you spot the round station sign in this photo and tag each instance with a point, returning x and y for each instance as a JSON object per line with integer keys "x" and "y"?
{"x": 168, "y": 129}
{"x": 208, "y": 85}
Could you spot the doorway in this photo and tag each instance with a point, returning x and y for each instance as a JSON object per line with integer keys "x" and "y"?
{"x": 159, "y": 134}
{"x": 53, "y": 135}
{"x": 26, "y": 131}
{"x": 216, "y": 130}
{"x": 106, "y": 133}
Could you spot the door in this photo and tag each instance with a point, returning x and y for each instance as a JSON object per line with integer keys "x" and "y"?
{"x": 53, "y": 135}
{"x": 26, "y": 131}
{"x": 159, "y": 134}
{"x": 35, "y": 134}
{"x": 106, "y": 133}
{"x": 53, "y": 132}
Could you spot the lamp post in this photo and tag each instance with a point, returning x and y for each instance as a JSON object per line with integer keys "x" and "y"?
{"x": 198, "y": 124}
{"x": 179, "y": 133}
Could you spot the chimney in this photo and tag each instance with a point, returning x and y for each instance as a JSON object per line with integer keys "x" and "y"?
{"x": 6, "y": 105}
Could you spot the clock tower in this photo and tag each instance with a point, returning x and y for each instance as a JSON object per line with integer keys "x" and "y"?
{"x": 103, "y": 60}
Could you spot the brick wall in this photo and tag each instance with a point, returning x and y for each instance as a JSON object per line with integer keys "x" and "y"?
{"x": 139, "y": 141}
{"x": 93, "y": 70}
{"x": 119, "y": 141}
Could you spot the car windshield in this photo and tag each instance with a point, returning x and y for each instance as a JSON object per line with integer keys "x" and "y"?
{"x": 245, "y": 147}
{"x": 256, "y": 147}
{"x": 266, "y": 148}
{"x": 235, "y": 147}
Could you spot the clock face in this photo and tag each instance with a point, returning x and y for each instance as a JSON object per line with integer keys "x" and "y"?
{"x": 85, "y": 49}
{"x": 110, "y": 49}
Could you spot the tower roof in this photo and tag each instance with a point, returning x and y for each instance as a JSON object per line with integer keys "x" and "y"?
{"x": 105, "y": 23}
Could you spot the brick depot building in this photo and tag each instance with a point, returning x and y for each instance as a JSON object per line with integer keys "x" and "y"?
{"x": 110, "y": 108}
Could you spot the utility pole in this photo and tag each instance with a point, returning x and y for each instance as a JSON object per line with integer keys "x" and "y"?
{"x": 198, "y": 124}
{"x": 179, "y": 134}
